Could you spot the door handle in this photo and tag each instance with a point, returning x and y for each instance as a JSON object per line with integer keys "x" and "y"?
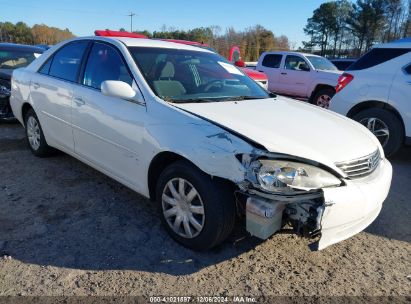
{"x": 260, "y": 71}
{"x": 36, "y": 85}
{"x": 79, "y": 101}
{"x": 283, "y": 73}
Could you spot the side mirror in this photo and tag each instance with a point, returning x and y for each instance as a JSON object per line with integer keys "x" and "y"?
{"x": 240, "y": 64}
{"x": 120, "y": 89}
{"x": 304, "y": 68}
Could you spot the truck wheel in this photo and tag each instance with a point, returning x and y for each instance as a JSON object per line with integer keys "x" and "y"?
{"x": 385, "y": 125}
{"x": 35, "y": 136}
{"x": 196, "y": 210}
{"x": 323, "y": 97}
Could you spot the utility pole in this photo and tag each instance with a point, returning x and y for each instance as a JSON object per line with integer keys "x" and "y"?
{"x": 131, "y": 15}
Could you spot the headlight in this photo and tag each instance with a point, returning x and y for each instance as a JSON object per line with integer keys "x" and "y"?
{"x": 4, "y": 92}
{"x": 280, "y": 176}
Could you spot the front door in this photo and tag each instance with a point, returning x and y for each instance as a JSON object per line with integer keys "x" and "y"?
{"x": 108, "y": 131}
{"x": 294, "y": 76}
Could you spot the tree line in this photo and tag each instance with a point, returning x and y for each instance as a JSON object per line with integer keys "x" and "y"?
{"x": 343, "y": 29}
{"x": 252, "y": 41}
{"x": 38, "y": 34}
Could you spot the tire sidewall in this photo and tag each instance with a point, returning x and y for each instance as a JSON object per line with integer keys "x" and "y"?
{"x": 43, "y": 149}
{"x": 394, "y": 125}
{"x": 209, "y": 193}
{"x": 327, "y": 91}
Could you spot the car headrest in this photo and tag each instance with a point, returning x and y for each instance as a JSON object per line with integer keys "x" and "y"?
{"x": 168, "y": 71}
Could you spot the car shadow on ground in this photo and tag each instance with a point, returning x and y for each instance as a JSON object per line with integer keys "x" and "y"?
{"x": 394, "y": 219}
{"x": 60, "y": 212}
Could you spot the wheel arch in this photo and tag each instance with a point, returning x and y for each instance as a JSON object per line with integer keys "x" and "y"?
{"x": 319, "y": 87}
{"x": 24, "y": 109}
{"x": 375, "y": 104}
{"x": 163, "y": 160}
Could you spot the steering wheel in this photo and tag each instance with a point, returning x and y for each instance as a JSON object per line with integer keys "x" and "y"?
{"x": 213, "y": 83}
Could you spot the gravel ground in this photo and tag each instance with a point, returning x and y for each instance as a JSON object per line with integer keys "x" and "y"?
{"x": 66, "y": 229}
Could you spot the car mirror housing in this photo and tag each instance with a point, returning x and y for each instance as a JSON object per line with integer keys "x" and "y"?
{"x": 120, "y": 89}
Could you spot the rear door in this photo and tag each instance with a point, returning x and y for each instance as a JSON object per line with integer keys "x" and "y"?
{"x": 270, "y": 65}
{"x": 52, "y": 93}
{"x": 108, "y": 131}
{"x": 400, "y": 95}
{"x": 294, "y": 76}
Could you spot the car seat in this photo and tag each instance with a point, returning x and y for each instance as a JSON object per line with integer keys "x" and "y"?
{"x": 166, "y": 86}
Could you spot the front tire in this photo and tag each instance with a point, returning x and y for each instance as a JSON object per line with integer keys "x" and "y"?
{"x": 35, "y": 135}
{"x": 196, "y": 210}
{"x": 323, "y": 97}
{"x": 385, "y": 125}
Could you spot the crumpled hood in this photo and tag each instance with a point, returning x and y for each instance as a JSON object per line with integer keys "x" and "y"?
{"x": 291, "y": 127}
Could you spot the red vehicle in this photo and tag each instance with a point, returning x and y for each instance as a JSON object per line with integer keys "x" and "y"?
{"x": 234, "y": 56}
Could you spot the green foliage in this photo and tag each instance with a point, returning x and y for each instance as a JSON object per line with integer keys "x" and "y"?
{"x": 252, "y": 42}
{"x": 339, "y": 28}
{"x": 38, "y": 34}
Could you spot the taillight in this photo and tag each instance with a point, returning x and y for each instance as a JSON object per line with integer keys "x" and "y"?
{"x": 343, "y": 80}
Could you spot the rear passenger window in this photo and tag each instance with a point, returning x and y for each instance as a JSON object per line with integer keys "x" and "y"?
{"x": 105, "y": 63}
{"x": 375, "y": 57}
{"x": 67, "y": 60}
{"x": 272, "y": 61}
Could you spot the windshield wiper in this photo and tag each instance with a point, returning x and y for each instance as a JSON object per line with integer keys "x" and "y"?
{"x": 238, "y": 98}
{"x": 196, "y": 100}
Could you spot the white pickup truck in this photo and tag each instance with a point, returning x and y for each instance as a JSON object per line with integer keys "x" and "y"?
{"x": 300, "y": 75}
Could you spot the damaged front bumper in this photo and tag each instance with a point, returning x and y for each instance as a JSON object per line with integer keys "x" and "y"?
{"x": 330, "y": 214}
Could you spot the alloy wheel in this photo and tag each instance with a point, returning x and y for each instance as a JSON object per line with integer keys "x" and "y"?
{"x": 323, "y": 101}
{"x": 33, "y": 133}
{"x": 378, "y": 128}
{"x": 183, "y": 208}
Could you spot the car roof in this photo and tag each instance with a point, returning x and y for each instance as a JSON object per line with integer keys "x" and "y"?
{"x": 21, "y": 47}
{"x": 291, "y": 53}
{"x": 400, "y": 44}
{"x": 143, "y": 42}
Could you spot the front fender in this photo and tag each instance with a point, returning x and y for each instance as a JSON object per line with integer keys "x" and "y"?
{"x": 207, "y": 146}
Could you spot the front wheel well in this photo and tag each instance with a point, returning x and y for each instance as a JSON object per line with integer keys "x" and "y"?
{"x": 26, "y": 107}
{"x": 163, "y": 160}
{"x": 374, "y": 104}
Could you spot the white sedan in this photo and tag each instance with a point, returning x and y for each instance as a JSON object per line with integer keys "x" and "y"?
{"x": 185, "y": 128}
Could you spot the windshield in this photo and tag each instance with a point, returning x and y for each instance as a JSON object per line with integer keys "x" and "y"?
{"x": 194, "y": 76}
{"x": 321, "y": 63}
{"x": 10, "y": 60}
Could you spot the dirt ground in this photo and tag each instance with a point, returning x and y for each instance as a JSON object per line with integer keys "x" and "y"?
{"x": 66, "y": 229}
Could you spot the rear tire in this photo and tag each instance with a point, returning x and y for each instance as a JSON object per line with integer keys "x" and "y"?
{"x": 379, "y": 122}
{"x": 215, "y": 200}
{"x": 323, "y": 97}
{"x": 35, "y": 135}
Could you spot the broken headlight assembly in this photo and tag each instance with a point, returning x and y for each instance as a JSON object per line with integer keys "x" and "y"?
{"x": 282, "y": 176}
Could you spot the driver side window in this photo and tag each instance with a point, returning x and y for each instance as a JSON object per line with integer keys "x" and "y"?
{"x": 296, "y": 63}
{"x": 105, "y": 63}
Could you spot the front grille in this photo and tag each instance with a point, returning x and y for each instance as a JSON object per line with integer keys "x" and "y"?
{"x": 360, "y": 167}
